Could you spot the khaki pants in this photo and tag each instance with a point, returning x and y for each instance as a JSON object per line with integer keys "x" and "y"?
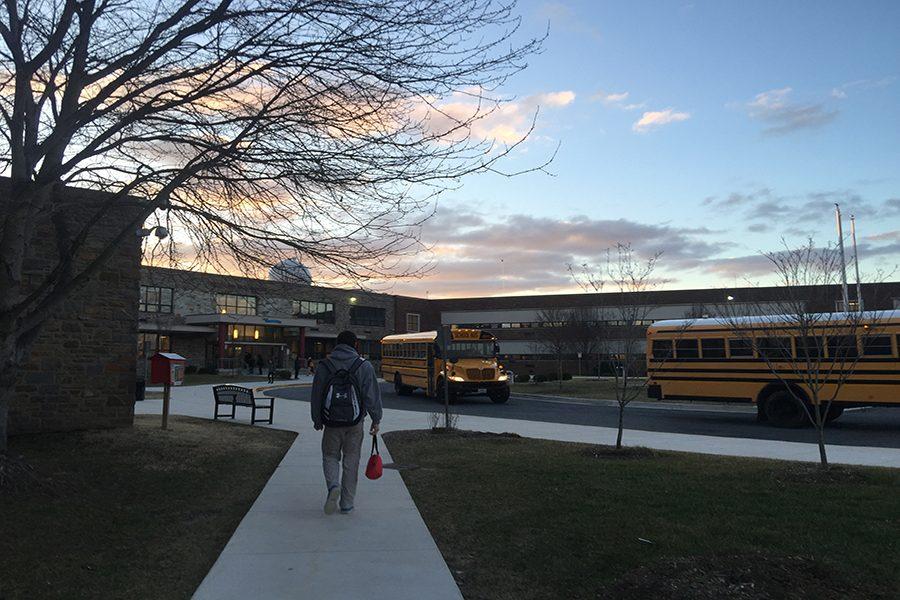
{"x": 342, "y": 444}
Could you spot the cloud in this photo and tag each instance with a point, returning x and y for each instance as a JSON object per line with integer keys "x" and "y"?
{"x": 781, "y": 116}
{"x": 892, "y": 206}
{"x": 794, "y": 213}
{"x": 490, "y": 119}
{"x": 556, "y": 99}
{"x": 616, "y": 100}
{"x": 841, "y": 92}
{"x": 655, "y": 119}
{"x": 468, "y": 249}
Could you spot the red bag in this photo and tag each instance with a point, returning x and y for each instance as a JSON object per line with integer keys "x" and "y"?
{"x": 374, "y": 468}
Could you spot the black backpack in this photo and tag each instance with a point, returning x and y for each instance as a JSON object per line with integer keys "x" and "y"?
{"x": 342, "y": 402}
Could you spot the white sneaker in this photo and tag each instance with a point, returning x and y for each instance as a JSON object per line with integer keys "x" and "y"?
{"x": 331, "y": 504}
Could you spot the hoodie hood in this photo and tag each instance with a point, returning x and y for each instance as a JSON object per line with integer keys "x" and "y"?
{"x": 343, "y": 356}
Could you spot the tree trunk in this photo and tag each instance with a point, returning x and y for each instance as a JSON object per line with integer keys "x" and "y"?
{"x": 823, "y": 456}
{"x": 621, "y": 426}
{"x": 8, "y": 373}
{"x": 7, "y": 381}
{"x": 559, "y": 372}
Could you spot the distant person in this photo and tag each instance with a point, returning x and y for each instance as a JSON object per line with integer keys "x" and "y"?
{"x": 298, "y": 364}
{"x": 344, "y": 390}
{"x": 311, "y": 366}
{"x": 271, "y": 373}
{"x": 259, "y": 363}
{"x": 248, "y": 362}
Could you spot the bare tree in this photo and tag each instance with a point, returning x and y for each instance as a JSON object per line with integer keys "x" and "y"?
{"x": 587, "y": 333}
{"x": 624, "y": 317}
{"x": 554, "y": 336}
{"x": 254, "y": 131}
{"x": 811, "y": 353}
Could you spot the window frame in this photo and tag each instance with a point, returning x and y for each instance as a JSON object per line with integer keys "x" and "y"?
{"x": 242, "y": 304}
{"x": 144, "y": 303}
{"x": 418, "y": 319}
{"x": 322, "y": 312}
{"x": 356, "y": 319}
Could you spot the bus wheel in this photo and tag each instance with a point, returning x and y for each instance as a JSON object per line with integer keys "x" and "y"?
{"x": 834, "y": 411}
{"x": 783, "y": 410}
{"x": 499, "y": 396}
{"x": 399, "y": 388}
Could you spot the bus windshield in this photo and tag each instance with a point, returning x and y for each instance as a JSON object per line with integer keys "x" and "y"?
{"x": 474, "y": 349}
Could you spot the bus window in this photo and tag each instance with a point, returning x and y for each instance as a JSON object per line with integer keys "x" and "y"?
{"x": 811, "y": 347}
{"x": 877, "y": 345}
{"x": 713, "y": 347}
{"x": 662, "y": 349}
{"x": 686, "y": 349}
{"x": 740, "y": 348}
{"x": 842, "y": 346}
{"x": 774, "y": 348}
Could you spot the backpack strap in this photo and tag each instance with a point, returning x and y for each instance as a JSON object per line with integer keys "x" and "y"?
{"x": 356, "y": 365}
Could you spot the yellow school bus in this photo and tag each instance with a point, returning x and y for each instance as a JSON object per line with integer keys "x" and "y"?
{"x": 710, "y": 359}
{"x": 412, "y": 361}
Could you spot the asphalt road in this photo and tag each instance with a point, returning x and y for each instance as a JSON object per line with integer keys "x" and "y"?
{"x": 878, "y": 427}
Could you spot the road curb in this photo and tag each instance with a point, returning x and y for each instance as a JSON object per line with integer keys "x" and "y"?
{"x": 740, "y": 408}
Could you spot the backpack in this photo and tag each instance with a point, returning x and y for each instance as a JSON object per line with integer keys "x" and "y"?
{"x": 342, "y": 403}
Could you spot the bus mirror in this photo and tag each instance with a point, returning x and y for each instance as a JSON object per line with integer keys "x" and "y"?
{"x": 496, "y": 348}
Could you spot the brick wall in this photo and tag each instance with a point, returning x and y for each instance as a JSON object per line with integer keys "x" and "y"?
{"x": 80, "y": 373}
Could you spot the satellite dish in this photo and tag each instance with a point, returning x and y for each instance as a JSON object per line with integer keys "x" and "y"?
{"x": 290, "y": 270}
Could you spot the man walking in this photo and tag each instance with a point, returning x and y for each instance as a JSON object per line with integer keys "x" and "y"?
{"x": 344, "y": 389}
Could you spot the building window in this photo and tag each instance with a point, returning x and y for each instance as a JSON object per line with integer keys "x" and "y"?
{"x": 255, "y": 333}
{"x": 156, "y": 299}
{"x": 320, "y": 311}
{"x": 151, "y": 343}
{"x": 367, "y": 315}
{"x": 235, "y": 305}
{"x": 413, "y": 323}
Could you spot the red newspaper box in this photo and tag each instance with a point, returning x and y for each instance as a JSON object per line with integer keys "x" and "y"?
{"x": 166, "y": 367}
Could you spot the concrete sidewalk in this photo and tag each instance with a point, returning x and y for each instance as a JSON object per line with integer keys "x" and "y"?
{"x": 286, "y": 547}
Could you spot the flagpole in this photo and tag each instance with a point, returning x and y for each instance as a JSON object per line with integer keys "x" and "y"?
{"x": 840, "y": 232}
{"x": 859, "y": 299}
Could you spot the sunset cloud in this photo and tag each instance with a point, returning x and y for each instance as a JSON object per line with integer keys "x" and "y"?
{"x": 506, "y": 122}
{"x": 655, "y": 119}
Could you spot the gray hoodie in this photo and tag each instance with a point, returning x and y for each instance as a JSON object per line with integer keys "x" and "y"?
{"x": 343, "y": 357}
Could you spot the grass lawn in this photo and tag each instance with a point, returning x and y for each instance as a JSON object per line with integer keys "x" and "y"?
{"x": 576, "y": 388}
{"x": 130, "y": 513}
{"x": 521, "y": 519}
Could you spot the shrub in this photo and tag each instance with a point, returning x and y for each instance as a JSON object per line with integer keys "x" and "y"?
{"x": 552, "y": 376}
{"x": 522, "y": 377}
{"x": 283, "y": 374}
{"x": 206, "y": 371}
{"x": 190, "y": 369}
{"x": 567, "y": 376}
{"x": 540, "y": 378}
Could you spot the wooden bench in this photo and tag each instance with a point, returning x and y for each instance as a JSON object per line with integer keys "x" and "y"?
{"x": 235, "y": 395}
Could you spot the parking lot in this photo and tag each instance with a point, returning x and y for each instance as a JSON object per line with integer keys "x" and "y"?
{"x": 878, "y": 427}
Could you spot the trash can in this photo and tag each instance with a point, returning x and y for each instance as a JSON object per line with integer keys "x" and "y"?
{"x": 139, "y": 387}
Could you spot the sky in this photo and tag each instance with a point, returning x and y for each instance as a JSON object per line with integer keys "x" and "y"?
{"x": 708, "y": 131}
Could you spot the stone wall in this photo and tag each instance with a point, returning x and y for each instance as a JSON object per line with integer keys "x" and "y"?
{"x": 80, "y": 373}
